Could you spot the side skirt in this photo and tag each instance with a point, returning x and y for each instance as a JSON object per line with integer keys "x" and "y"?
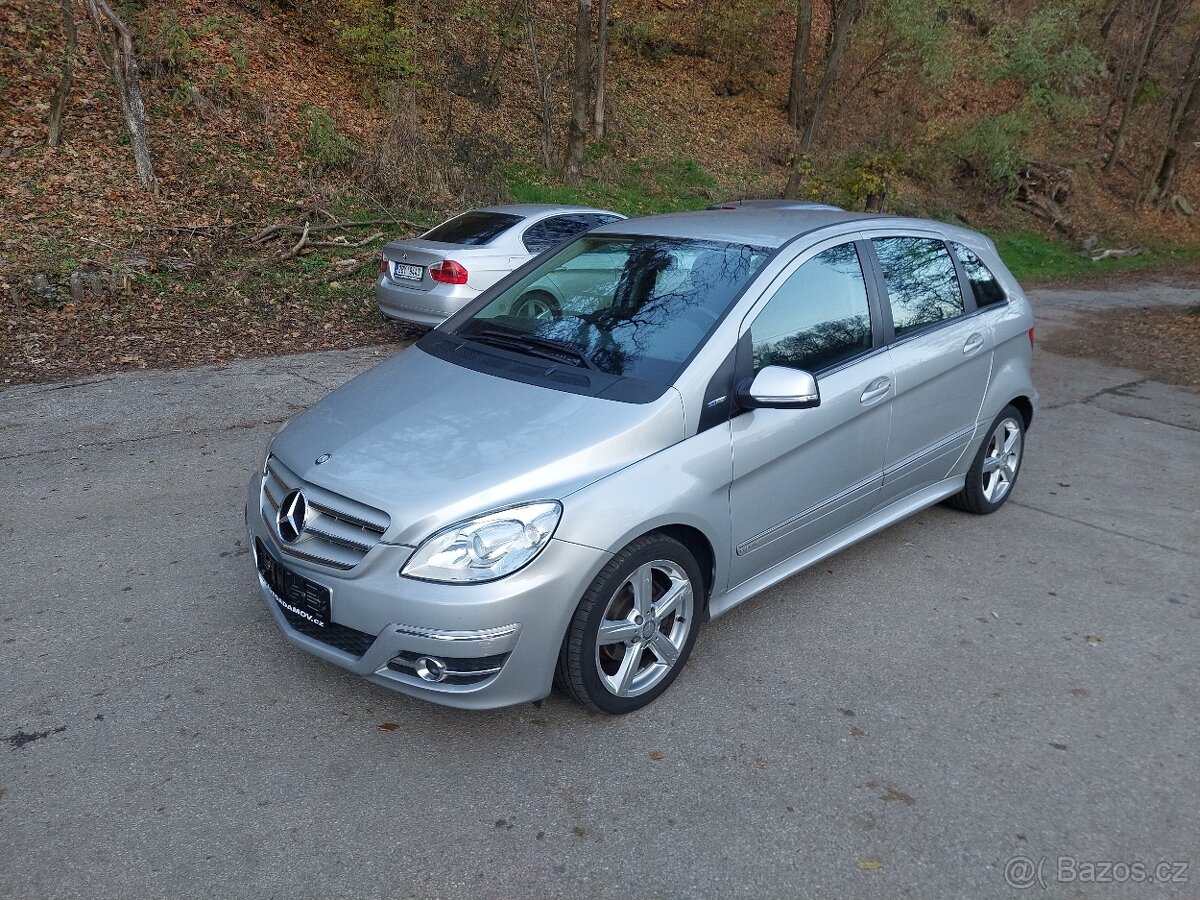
{"x": 852, "y": 534}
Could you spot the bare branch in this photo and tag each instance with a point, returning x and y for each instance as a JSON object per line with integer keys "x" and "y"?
{"x": 299, "y": 245}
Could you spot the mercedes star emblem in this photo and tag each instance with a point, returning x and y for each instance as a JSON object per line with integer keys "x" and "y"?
{"x": 293, "y": 516}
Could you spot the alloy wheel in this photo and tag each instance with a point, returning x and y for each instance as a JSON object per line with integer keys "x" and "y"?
{"x": 1002, "y": 459}
{"x": 644, "y": 628}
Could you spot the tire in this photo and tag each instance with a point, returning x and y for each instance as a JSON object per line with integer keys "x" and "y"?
{"x": 1001, "y": 453}
{"x": 607, "y": 676}
{"x": 540, "y": 305}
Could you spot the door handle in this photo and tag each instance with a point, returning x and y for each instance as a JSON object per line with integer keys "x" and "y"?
{"x": 974, "y": 342}
{"x": 875, "y": 390}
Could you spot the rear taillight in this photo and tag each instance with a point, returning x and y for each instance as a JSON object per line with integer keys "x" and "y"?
{"x": 1030, "y": 337}
{"x": 383, "y": 266}
{"x": 448, "y": 272}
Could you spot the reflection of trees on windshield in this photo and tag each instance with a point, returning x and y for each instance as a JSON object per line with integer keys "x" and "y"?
{"x": 921, "y": 281}
{"x": 668, "y": 296}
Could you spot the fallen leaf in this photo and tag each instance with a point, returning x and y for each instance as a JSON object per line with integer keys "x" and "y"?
{"x": 1094, "y": 639}
{"x": 388, "y": 726}
{"x": 656, "y": 755}
{"x": 869, "y": 865}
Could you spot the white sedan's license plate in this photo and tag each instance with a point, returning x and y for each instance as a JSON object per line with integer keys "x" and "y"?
{"x": 409, "y": 273}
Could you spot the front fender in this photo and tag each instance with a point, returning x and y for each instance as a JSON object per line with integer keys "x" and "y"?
{"x": 685, "y": 484}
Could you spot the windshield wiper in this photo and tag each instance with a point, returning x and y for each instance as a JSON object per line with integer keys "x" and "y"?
{"x": 543, "y": 348}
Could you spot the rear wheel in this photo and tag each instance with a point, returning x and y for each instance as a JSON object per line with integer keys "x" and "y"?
{"x": 634, "y": 628}
{"x": 993, "y": 473}
{"x": 539, "y": 305}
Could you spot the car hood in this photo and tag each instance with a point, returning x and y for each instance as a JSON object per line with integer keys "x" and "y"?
{"x": 431, "y": 443}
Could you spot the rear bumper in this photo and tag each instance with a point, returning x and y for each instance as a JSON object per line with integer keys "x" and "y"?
{"x": 430, "y": 308}
{"x": 499, "y": 641}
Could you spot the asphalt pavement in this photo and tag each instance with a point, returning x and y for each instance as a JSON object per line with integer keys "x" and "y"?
{"x": 900, "y": 721}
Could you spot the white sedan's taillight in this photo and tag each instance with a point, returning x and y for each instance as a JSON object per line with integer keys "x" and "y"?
{"x": 448, "y": 272}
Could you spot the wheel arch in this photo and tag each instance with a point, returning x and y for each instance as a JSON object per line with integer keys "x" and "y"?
{"x": 1025, "y": 407}
{"x": 699, "y": 546}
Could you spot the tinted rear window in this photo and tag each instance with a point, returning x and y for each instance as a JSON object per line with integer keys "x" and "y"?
{"x": 474, "y": 228}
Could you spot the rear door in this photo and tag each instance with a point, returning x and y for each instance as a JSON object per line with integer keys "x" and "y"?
{"x": 800, "y": 475}
{"x": 941, "y": 350}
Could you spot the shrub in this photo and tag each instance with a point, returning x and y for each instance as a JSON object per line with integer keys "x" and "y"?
{"x": 324, "y": 145}
{"x": 992, "y": 148}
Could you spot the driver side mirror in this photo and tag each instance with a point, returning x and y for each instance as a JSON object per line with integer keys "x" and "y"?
{"x": 778, "y": 387}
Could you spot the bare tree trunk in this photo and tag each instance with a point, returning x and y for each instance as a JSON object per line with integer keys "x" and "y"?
{"x": 1185, "y": 113}
{"x": 123, "y": 69}
{"x": 601, "y": 71}
{"x": 543, "y": 89}
{"x": 1110, "y": 17}
{"x": 841, "y": 40}
{"x": 66, "y": 77}
{"x": 577, "y": 138}
{"x": 799, "y": 85}
{"x": 1131, "y": 90}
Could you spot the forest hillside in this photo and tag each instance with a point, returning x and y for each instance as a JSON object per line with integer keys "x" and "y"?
{"x": 192, "y": 180}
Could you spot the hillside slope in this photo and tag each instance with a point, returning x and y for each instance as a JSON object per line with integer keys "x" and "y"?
{"x": 258, "y": 115}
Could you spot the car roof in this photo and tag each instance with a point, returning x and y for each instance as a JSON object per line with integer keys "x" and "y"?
{"x": 773, "y": 227}
{"x": 773, "y": 203}
{"x": 530, "y": 210}
{"x": 759, "y": 227}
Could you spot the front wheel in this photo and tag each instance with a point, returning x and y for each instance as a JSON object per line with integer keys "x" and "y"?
{"x": 993, "y": 473}
{"x": 634, "y": 627}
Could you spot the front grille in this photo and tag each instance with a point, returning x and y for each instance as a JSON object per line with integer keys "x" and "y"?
{"x": 338, "y": 531}
{"x": 340, "y": 637}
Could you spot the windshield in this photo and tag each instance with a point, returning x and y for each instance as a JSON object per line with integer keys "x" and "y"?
{"x": 628, "y": 306}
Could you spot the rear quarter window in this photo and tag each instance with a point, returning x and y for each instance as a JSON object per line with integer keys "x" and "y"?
{"x": 473, "y": 229}
{"x": 984, "y": 286}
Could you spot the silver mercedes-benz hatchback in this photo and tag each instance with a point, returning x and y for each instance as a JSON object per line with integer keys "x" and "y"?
{"x": 719, "y": 400}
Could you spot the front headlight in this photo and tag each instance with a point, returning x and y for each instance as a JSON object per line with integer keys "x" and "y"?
{"x": 487, "y": 547}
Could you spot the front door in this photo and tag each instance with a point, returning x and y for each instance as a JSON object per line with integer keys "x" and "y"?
{"x": 800, "y": 475}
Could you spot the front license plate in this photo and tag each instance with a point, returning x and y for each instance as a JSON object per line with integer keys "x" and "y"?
{"x": 409, "y": 273}
{"x": 294, "y": 593}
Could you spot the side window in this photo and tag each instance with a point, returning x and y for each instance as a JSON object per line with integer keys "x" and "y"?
{"x": 548, "y": 232}
{"x": 921, "y": 282}
{"x": 603, "y": 219}
{"x": 984, "y": 286}
{"x": 818, "y": 317}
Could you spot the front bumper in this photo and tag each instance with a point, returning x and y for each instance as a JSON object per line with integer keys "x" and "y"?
{"x": 499, "y": 640}
{"x": 431, "y": 307}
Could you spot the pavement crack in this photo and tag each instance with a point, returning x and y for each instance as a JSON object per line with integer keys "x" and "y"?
{"x": 1111, "y": 531}
{"x": 233, "y": 426}
{"x": 1115, "y": 389}
{"x": 21, "y": 738}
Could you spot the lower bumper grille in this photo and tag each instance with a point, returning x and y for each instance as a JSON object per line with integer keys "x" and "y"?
{"x": 340, "y": 637}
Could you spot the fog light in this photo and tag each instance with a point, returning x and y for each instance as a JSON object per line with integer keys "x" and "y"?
{"x": 430, "y": 668}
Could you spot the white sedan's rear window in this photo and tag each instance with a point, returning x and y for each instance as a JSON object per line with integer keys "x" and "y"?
{"x": 474, "y": 229}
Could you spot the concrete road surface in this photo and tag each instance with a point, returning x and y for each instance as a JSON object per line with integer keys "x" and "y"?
{"x": 901, "y": 721}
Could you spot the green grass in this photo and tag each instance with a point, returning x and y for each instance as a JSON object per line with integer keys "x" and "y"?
{"x": 1034, "y": 258}
{"x": 640, "y": 188}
